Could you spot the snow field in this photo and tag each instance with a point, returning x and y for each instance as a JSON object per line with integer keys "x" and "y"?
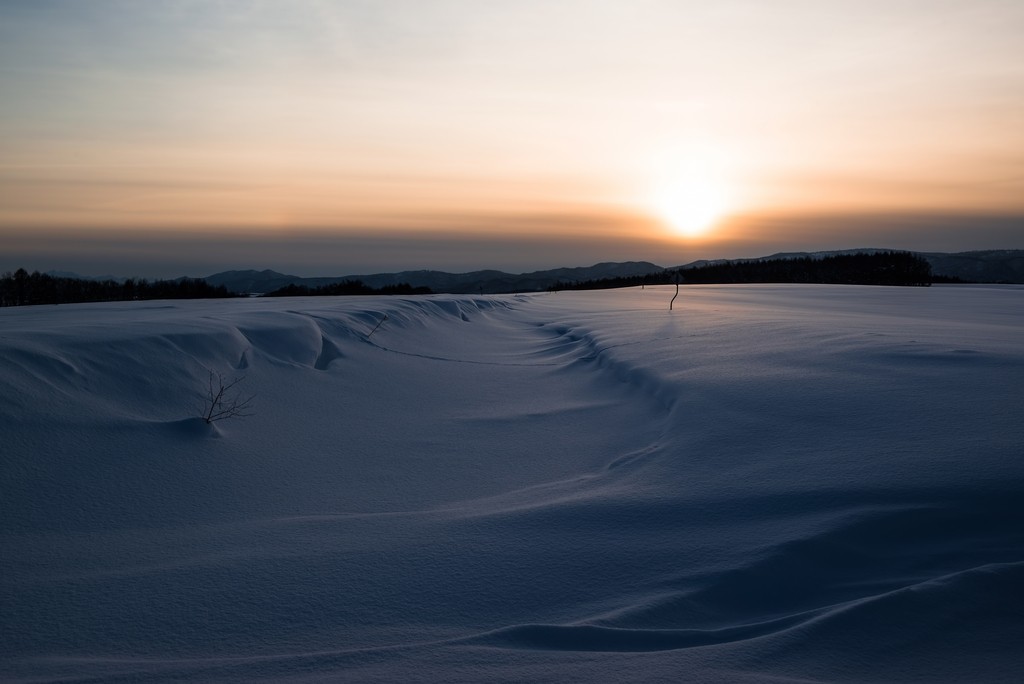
{"x": 788, "y": 483}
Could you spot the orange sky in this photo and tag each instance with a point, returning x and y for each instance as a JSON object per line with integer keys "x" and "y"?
{"x": 198, "y": 125}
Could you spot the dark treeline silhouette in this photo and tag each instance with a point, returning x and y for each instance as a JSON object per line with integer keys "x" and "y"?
{"x": 880, "y": 268}
{"x": 948, "y": 279}
{"x": 345, "y": 288}
{"x": 22, "y": 288}
{"x": 661, "y": 278}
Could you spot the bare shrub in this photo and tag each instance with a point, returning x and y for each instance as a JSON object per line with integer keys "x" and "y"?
{"x": 222, "y": 400}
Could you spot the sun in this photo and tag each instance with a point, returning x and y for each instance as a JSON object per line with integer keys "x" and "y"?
{"x": 691, "y": 207}
{"x": 692, "y": 197}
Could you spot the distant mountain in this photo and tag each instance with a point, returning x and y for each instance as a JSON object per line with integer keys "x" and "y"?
{"x": 783, "y": 255}
{"x": 262, "y": 281}
{"x": 990, "y": 266}
{"x": 993, "y": 266}
{"x": 485, "y": 282}
{"x": 492, "y": 282}
{"x": 76, "y": 276}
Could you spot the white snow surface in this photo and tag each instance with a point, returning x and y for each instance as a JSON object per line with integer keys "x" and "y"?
{"x": 769, "y": 483}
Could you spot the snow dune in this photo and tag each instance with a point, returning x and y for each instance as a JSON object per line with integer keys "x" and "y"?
{"x": 770, "y": 483}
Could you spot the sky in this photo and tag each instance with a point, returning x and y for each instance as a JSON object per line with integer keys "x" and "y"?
{"x": 328, "y": 137}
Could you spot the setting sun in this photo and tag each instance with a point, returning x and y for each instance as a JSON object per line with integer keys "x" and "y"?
{"x": 691, "y": 207}
{"x": 693, "y": 198}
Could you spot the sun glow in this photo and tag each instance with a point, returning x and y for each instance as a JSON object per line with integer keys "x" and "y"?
{"x": 693, "y": 196}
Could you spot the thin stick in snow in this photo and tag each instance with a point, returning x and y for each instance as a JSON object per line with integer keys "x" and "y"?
{"x": 377, "y": 326}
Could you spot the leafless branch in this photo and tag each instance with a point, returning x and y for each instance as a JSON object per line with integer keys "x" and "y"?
{"x": 222, "y": 400}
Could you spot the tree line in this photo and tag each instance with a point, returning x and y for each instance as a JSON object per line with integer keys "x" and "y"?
{"x": 22, "y": 288}
{"x": 346, "y": 288}
{"x": 879, "y": 268}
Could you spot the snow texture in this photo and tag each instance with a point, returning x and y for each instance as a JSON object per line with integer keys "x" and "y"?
{"x": 769, "y": 483}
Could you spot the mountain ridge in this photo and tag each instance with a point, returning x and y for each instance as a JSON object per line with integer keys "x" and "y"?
{"x": 487, "y": 281}
{"x": 1002, "y": 265}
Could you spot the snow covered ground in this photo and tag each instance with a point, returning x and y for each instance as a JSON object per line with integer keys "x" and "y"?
{"x": 770, "y": 483}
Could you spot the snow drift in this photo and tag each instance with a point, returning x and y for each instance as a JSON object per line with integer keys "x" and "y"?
{"x": 784, "y": 483}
